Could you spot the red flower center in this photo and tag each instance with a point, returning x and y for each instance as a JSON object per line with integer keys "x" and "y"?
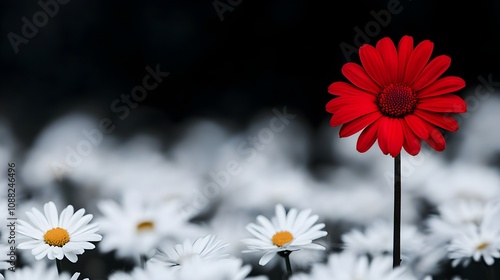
{"x": 397, "y": 101}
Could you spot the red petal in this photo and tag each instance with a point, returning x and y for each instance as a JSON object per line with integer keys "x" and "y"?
{"x": 349, "y": 113}
{"x": 447, "y": 103}
{"x": 417, "y": 61}
{"x": 335, "y": 104}
{"x": 417, "y": 125}
{"x": 343, "y": 88}
{"x": 356, "y": 125}
{"x": 358, "y": 76}
{"x": 389, "y": 55}
{"x": 432, "y": 72}
{"x": 443, "y": 121}
{"x": 436, "y": 140}
{"x": 368, "y": 137}
{"x": 396, "y": 137}
{"x": 442, "y": 86}
{"x": 373, "y": 64}
{"x": 390, "y": 136}
{"x": 412, "y": 143}
{"x": 405, "y": 48}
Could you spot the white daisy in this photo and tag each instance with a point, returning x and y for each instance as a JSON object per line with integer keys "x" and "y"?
{"x": 207, "y": 248}
{"x": 452, "y": 218}
{"x": 475, "y": 243}
{"x": 197, "y": 269}
{"x": 151, "y": 271}
{"x": 40, "y": 270}
{"x": 137, "y": 225}
{"x": 377, "y": 239}
{"x": 346, "y": 265}
{"x": 56, "y": 237}
{"x": 285, "y": 232}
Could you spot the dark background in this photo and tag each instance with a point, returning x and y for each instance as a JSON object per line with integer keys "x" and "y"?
{"x": 263, "y": 54}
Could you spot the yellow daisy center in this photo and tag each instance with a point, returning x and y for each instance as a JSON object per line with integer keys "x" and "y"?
{"x": 145, "y": 225}
{"x": 482, "y": 246}
{"x": 56, "y": 237}
{"x": 281, "y": 238}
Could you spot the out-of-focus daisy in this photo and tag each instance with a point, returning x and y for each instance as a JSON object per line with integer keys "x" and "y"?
{"x": 40, "y": 270}
{"x": 285, "y": 232}
{"x": 376, "y": 240}
{"x": 461, "y": 180}
{"x": 151, "y": 271}
{"x": 346, "y": 265}
{"x": 58, "y": 236}
{"x": 207, "y": 248}
{"x": 476, "y": 243}
{"x": 453, "y": 217}
{"x": 137, "y": 225}
{"x": 76, "y": 275}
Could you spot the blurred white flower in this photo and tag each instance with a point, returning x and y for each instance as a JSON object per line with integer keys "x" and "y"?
{"x": 76, "y": 275}
{"x": 285, "y": 232}
{"x": 453, "y": 217}
{"x": 151, "y": 271}
{"x": 478, "y": 241}
{"x": 474, "y": 244}
{"x": 40, "y": 270}
{"x": 136, "y": 225}
{"x": 478, "y": 141}
{"x": 58, "y": 236}
{"x": 198, "y": 269}
{"x": 462, "y": 180}
{"x": 377, "y": 239}
{"x": 347, "y": 266}
{"x": 207, "y": 248}
{"x": 55, "y": 152}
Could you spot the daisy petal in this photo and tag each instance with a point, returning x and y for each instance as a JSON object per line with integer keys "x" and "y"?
{"x": 389, "y": 56}
{"x": 266, "y": 258}
{"x": 358, "y": 77}
{"x": 432, "y": 71}
{"x": 368, "y": 137}
{"x": 405, "y": 48}
{"x": 442, "y": 86}
{"x": 373, "y": 64}
{"x": 417, "y": 61}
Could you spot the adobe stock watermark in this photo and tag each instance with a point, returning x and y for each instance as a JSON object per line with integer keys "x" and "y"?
{"x": 39, "y": 19}
{"x": 120, "y": 106}
{"x": 222, "y": 7}
{"x": 248, "y": 149}
{"x": 372, "y": 28}
{"x": 482, "y": 93}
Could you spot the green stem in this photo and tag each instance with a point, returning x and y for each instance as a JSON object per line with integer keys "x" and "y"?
{"x": 396, "y": 258}
{"x": 286, "y": 256}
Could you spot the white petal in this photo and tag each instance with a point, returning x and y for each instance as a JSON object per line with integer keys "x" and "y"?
{"x": 266, "y": 258}
{"x": 51, "y": 214}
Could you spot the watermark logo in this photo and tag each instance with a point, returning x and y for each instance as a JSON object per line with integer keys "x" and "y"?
{"x": 31, "y": 27}
{"x": 222, "y": 7}
{"x": 121, "y": 106}
{"x": 248, "y": 149}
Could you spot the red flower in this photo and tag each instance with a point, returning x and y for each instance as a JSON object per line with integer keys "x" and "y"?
{"x": 397, "y": 97}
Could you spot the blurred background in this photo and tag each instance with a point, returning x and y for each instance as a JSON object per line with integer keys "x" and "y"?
{"x": 232, "y": 67}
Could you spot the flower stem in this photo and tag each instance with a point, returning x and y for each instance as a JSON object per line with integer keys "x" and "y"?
{"x": 59, "y": 266}
{"x": 396, "y": 257}
{"x": 490, "y": 272}
{"x": 286, "y": 255}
